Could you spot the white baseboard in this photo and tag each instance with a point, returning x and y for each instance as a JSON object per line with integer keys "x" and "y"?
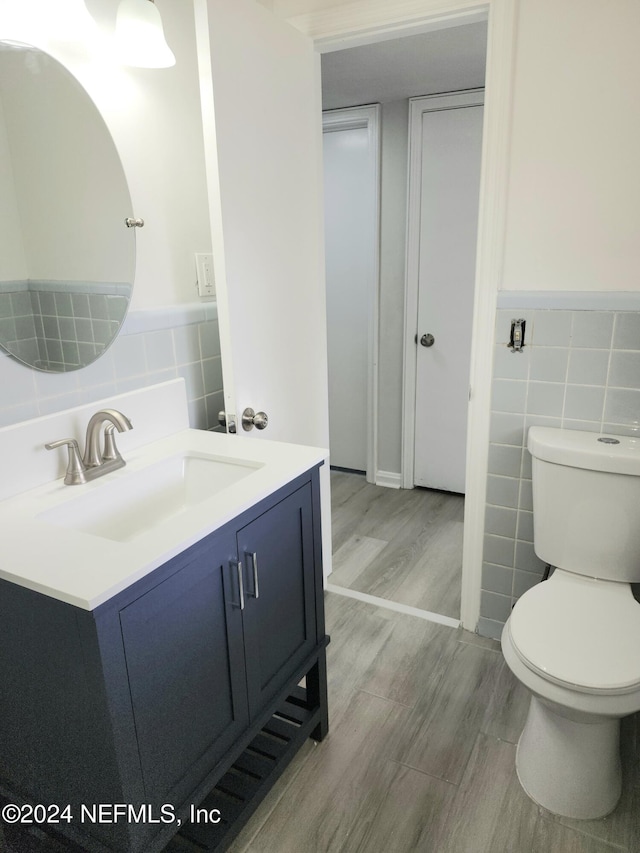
{"x": 389, "y": 479}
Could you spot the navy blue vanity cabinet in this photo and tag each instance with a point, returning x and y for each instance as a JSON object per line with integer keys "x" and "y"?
{"x": 178, "y": 690}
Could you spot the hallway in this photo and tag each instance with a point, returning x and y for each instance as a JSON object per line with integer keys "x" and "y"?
{"x": 403, "y": 545}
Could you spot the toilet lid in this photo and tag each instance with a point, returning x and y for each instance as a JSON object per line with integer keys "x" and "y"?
{"x": 580, "y": 631}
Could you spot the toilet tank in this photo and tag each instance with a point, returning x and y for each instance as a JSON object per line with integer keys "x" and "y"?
{"x": 586, "y": 502}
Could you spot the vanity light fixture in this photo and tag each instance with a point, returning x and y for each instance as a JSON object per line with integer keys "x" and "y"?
{"x": 140, "y": 37}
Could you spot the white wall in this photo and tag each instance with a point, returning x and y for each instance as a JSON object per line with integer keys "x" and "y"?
{"x": 284, "y": 8}
{"x": 154, "y": 118}
{"x": 12, "y": 258}
{"x": 573, "y": 215}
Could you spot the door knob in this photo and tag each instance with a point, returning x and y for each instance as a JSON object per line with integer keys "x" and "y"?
{"x": 250, "y": 420}
{"x": 427, "y": 340}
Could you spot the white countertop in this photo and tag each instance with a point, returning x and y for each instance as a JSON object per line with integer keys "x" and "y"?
{"x": 85, "y": 569}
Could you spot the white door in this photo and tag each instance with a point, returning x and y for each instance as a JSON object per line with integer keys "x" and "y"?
{"x": 261, "y": 101}
{"x": 450, "y": 153}
{"x": 351, "y": 252}
{"x": 262, "y": 119}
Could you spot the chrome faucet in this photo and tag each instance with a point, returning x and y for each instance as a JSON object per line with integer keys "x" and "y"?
{"x": 93, "y": 458}
{"x": 96, "y": 461}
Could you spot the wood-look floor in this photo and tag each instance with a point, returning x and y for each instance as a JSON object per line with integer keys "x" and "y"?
{"x": 398, "y": 544}
{"x": 420, "y": 755}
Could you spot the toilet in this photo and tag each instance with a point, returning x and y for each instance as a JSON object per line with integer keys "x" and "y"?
{"x": 574, "y": 640}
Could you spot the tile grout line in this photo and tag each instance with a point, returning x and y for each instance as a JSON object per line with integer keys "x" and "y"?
{"x": 424, "y": 773}
{"x": 385, "y": 699}
{"x": 549, "y": 817}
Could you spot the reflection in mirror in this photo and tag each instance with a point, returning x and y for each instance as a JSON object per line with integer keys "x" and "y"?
{"x": 67, "y": 259}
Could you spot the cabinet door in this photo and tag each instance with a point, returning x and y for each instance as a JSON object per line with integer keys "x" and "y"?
{"x": 184, "y": 653}
{"x": 279, "y": 614}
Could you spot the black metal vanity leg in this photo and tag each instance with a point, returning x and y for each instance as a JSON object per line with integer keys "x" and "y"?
{"x": 317, "y": 694}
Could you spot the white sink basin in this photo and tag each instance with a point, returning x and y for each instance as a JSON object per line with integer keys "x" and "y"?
{"x": 136, "y": 502}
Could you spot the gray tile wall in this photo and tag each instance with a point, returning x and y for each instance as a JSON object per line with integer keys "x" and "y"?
{"x": 57, "y": 329}
{"x": 154, "y": 346}
{"x": 578, "y": 370}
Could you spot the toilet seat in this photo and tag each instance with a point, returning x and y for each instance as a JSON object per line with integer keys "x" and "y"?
{"x": 580, "y": 633}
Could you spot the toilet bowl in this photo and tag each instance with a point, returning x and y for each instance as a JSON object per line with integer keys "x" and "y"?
{"x": 574, "y": 644}
{"x": 573, "y": 640}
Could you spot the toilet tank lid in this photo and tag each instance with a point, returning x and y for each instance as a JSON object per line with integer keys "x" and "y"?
{"x": 619, "y": 454}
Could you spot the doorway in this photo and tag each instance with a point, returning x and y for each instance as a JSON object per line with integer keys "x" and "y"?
{"x": 390, "y": 73}
{"x": 444, "y": 188}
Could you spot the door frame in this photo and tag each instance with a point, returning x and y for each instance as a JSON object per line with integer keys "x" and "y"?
{"x": 355, "y": 118}
{"x": 417, "y": 108}
{"x": 351, "y": 24}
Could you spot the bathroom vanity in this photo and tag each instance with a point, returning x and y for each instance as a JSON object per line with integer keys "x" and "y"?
{"x": 173, "y": 662}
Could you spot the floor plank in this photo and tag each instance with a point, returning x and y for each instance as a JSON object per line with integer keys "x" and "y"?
{"x": 402, "y": 811}
{"x": 317, "y": 814}
{"x": 490, "y": 814}
{"x": 358, "y": 634}
{"x": 353, "y": 557}
{"x": 404, "y": 545}
{"x": 508, "y": 707}
{"x": 411, "y": 663}
{"x": 434, "y": 581}
{"x": 438, "y": 735}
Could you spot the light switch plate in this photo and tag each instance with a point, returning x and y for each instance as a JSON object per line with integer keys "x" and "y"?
{"x": 206, "y": 279}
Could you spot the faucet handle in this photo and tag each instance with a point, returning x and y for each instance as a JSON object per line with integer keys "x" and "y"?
{"x": 75, "y": 469}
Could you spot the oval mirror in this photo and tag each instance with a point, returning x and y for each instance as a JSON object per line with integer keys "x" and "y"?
{"x": 67, "y": 258}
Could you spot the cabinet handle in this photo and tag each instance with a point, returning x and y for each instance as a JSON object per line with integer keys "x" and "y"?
{"x": 254, "y": 563}
{"x": 238, "y": 567}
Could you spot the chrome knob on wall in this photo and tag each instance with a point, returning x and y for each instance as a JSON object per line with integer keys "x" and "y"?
{"x": 427, "y": 340}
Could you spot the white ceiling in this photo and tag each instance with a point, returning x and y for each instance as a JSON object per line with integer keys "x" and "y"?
{"x": 444, "y": 60}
